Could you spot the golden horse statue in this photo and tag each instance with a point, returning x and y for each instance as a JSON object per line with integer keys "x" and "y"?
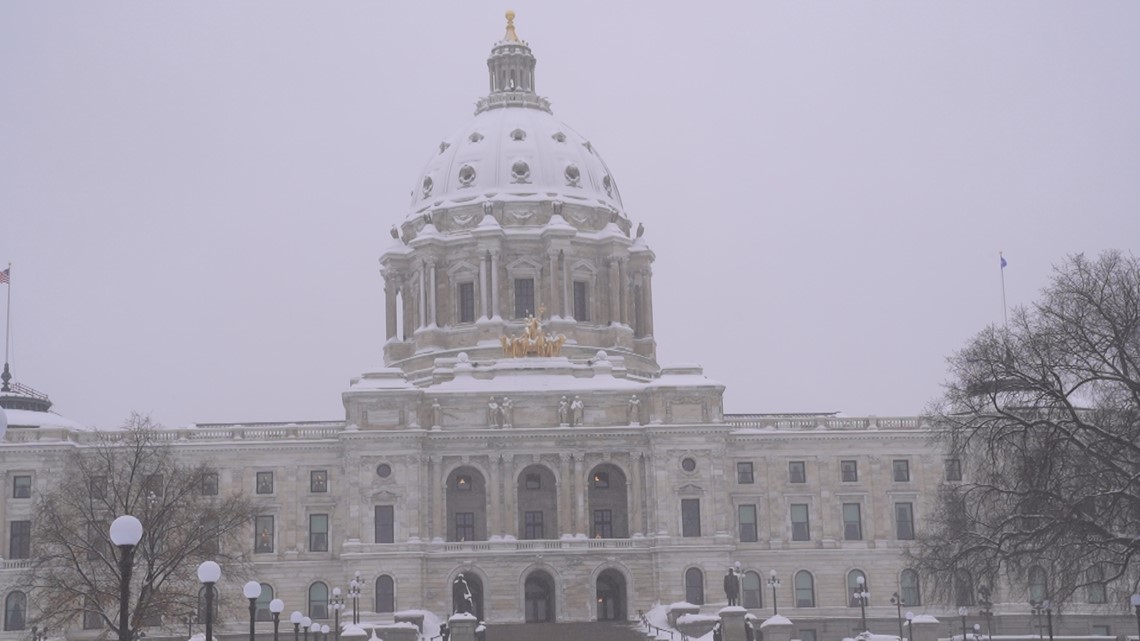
{"x": 533, "y": 341}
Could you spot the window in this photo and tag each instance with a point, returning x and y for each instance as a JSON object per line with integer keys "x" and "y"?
{"x": 904, "y": 521}
{"x": 908, "y": 588}
{"x": 695, "y": 586}
{"x": 97, "y": 488}
{"x": 385, "y": 524}
{"x": 688, "y": 464}
{"x": 385, "y": 594}
{"x": 801, "y": 527}
{"x": 690, "y": 517}
{"x": 852, "y": 522}
{"x": 849, "y": 471}
{"x": 533, "y": 481}
{"x": 152, "y": 485}
{"x": 265, "y": 482}
{"x": 15, "y": 609}
{"x": 463, "y": 483}
{"x": 263, "y": 613}
{"x": 209, "y": 484}
{"x": 953, "y": 469}
{"x": 1037, "y": 585}
{"x": 1102, "y": 630}
{"x": 744, "y": 473}
{"x": 602, "y": 480}
{"x": 963, "y": 589}
{"x": 319, "y": 481}
{"x": 854, "y": 586}
{"x": 532, "y": 522}
{"x": 467, "y": 302}
{"x": 807, "y": 635}
{"x": 383, "y": 470}
{"x": 900, "y": 468}
{"x": 318, "y": 601}
{"x": 746, "y": 518}
{"x": 464, "y": 526}
{"x": 797, "y": 472}
{"x": 581, "y": 301}
{"x": 603, "y": 524}
{"x": 805, "y": 589}
{"x": 22, "y": 486}
{"x": 318, "y": 532}
{"x": 20, "y": 540}
{"x": 524, "y": 297}
{"x": 1097, "y": 591}
{"x": 96, "y": 543}
{"x": 92, "y": 619}
{"x": 263, "y": 538}
{"x": 752, "y": 591}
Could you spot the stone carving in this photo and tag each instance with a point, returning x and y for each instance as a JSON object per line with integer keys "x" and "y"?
{"x": 533, "y": 342}
{"x": 499, "y": 412}
{"x": 577, "y": 408}
{"x": 493, "y": 413}
{"x": 505, "y": 410}
{"x": 563, "y": 411}
{"x": 436, "y": 413}
{"x": 634, "y": 414}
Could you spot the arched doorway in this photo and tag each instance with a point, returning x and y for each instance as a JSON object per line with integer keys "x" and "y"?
{"x": 538, "y": 593}
{"x": 466, "y": 505}
{"x": 606, "y": 495}
{"x": 467, "y": 594}
{"x": 538, "y": 503}
{"x": 611, "y": 596}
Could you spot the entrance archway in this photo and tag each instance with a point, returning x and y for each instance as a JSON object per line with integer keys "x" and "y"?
{"x": 538, "y": 593}
{"x": 611, "y": 596}
{"x": 462, "y": 585}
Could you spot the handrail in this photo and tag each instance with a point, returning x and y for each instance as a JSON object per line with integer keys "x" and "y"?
{"x": 649, "y": 627}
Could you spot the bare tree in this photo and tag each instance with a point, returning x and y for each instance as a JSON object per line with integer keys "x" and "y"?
{"x": 75, "y": 575}
{"x": 1044, "y": 417}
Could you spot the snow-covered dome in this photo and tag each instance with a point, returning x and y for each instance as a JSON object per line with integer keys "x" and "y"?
{"x": 514, "y": 146}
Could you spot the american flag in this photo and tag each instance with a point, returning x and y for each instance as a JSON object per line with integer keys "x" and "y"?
{"x": 5, "y": 276}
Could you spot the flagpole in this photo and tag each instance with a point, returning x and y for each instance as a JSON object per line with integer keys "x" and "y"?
{"x": 1004, "y": 313}
{"x": 7, "y": 332}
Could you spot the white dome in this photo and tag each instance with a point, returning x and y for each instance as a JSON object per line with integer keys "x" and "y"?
{"x": 515, "y": 151}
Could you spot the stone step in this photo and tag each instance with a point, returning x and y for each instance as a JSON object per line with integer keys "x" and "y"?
{"x": 590, "y": 631}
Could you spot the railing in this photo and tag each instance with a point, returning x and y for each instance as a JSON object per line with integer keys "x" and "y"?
{"x": 256, "y": 432}
{"x": 649, "y": 627}
{"x": 824, "y": 422}
{"x": 15, "y": 564}
{"x": 506, "y": 545}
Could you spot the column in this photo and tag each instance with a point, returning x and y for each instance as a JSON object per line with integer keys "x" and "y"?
{"x": 484, "y": 293}
{"x": 423, "y": 296}
{"x": 623, "y": 293}
{"x": 409, "y": 308}
{"x": 581, "y": 516}
{"x": 434, "y": 295}
{"x": 647, "y": 301}
{"x": 494, "y": 498}
{"x": 509, "y": 514}
{"x": 389, "y": 307}
{"x": 635, "y": 496}
{"x": 555, "y": 303}
{"x": 440, "y": 497}
{"x": 567, "y": 302}
{"x": 495, "y": 284}
{"x": 429, "y": 514}
{"x": 564, "y": 494}
{"x": 615, "y": 296}
{"x": 501, "y": 467}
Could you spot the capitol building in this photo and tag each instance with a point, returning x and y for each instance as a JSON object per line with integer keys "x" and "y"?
{"x": 523, "y": 433}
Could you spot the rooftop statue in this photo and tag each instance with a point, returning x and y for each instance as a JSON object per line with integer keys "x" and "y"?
{"x": 533, "y": 342}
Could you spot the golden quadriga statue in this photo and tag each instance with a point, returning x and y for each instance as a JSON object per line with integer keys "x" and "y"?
{"x": 533, "y": 342}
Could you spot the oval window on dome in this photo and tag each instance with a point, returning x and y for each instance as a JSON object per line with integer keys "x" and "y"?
{"x": 427, "y": 186}
{"x": 608, "y": 183}
{"x": 466, "y": 175}
{"x": 520, "y": 171}
{"x": 573, "y": 175}
{"x": 559, "y": 136}
{"x": 443, "y": 146}
{"x": 518, "y": 134}
{"x": 475, "y": 136}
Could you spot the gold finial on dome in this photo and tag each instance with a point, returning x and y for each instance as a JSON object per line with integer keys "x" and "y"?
{"x": 511, "y": 36}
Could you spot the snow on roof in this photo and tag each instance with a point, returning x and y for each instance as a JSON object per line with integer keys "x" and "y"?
{"x": 775, "y": 619}
{"x": 29, "y": 418}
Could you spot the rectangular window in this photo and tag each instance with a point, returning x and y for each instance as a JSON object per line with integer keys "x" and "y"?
{"x": 532, "y": 522}
{"x": 96, "y": 543}
{"x": 904, "y": 521}
{"x": 263, "y": 537}
{"x": 690, "y": 517}
{"x": 901, "y": 470}
{"x": 97, "y": 488}
{"x": 22, "y": 486}
{"x": 209, "y": 486}
{"x": 385, "y": 524}
{"x": 744, "y": 473}
{"x": 797, "y": 472}
{"x": 20, "y": 540}
{"x": 92, "y": 620}
{"x": 746, "y": 517}
{"x": 533, "y": 482}
{"x": 807, "y": 635}
{"x": 524, "y": 297}
{"x": 1102, "y": 630}
{"x": 464, "y": 526}
{"x": 581, "y": 301}
{"x": 953, "y": 469}
{"x": 852, "y": 522}
{"x": 801, "y": 527}
{"x": 466, "y": 302}
{"x": 848, "y": 471}
{"x": 319, "y": 481}
{"x": 152, "y": 485}
{"x": 265, "y": 482}
{"x": 318, "y": 532}
{"x": 603, "y": 524}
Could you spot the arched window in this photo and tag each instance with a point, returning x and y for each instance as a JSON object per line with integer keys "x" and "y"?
{"x": 753, "y": 592}
{"x": 805, "y": 589}
{"x": 855, "y": 586}
{"x": 695, "y": 586}
{"x": 1038, "y": 591}
{"x": 385, "y": 594}
{"x": 263, "y": 613}
{"x": 963, "y": 588}
{"x": 908, "y": 588}
{"x": 1097, "y": 592}
{"x": 318, "y": 601}
{"x": 15, "y": 609}
{"x": 201, "y": 614}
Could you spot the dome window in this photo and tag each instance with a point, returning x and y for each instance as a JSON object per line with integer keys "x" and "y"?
{"x": 466, "y": 175}
{"x": 559, "y": 136}
{"x": 518, "y": 134}
{"x": 520, "y": 171}
{"x": 428, "y": 184}
{"x": 443, "y": 146}
{"x": 608, "y": 183}
{"x": 475, "y": 136}
{"x": 573, "y": 175}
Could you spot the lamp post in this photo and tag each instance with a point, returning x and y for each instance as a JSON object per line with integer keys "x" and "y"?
{"x": 897, "y": 601}
{"x": 315, "y": 628}
{"x": 1049, "y": 617}
{"x": 987, "y": 609}
{"x": 354, "y": 587}
{"x": 189, "y": 625}
{"x": 977, "y": 632}
{"x": 325, "y": 632}
{"x": 126, "y": 532}
{"x": 1135, "y": 601}
{"x": 38, "y": 633}
{"x": 862, "y": 595}
{"x": 209, "y": 573}
{"x": 1039, "y": 608}
{"x": 336, "y": 604}
{"x": 276, "y": 606}
{"x": 295, "y": 619}
{"x": 252, "y": 590}
{"x": 962, "y": 612}
{"x": 306, "y": 623}
{"x": 909, "y": 620}
{"x": 773, "y": 582}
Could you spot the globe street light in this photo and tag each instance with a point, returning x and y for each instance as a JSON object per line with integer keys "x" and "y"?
{"x": 325, "y": 632}
{"x": 295, "y": 619}
{"x": 774, "y": 582}
{"x": 252, "y": 591}
{"x": 354, "y": 587}
{"x": 209, "y": 573}
{"x": 306, "y": 623}
{"x": 336, "y": 604}
{"x": 315, "y": 628}
{"x": 276, "y": 606}
{"x": 126, "y": 532}
{"x": 862, "y": 595}
{"x": 962, "y": 611}
{"x": 909, "y": 622}
{"x": 897, "y": 601}
{"x": 987, "y": 609}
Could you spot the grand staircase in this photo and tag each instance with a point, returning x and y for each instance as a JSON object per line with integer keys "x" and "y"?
{"x": 594, "y": 631}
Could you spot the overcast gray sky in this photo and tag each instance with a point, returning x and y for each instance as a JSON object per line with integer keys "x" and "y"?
{"x": 195, "y": 194}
